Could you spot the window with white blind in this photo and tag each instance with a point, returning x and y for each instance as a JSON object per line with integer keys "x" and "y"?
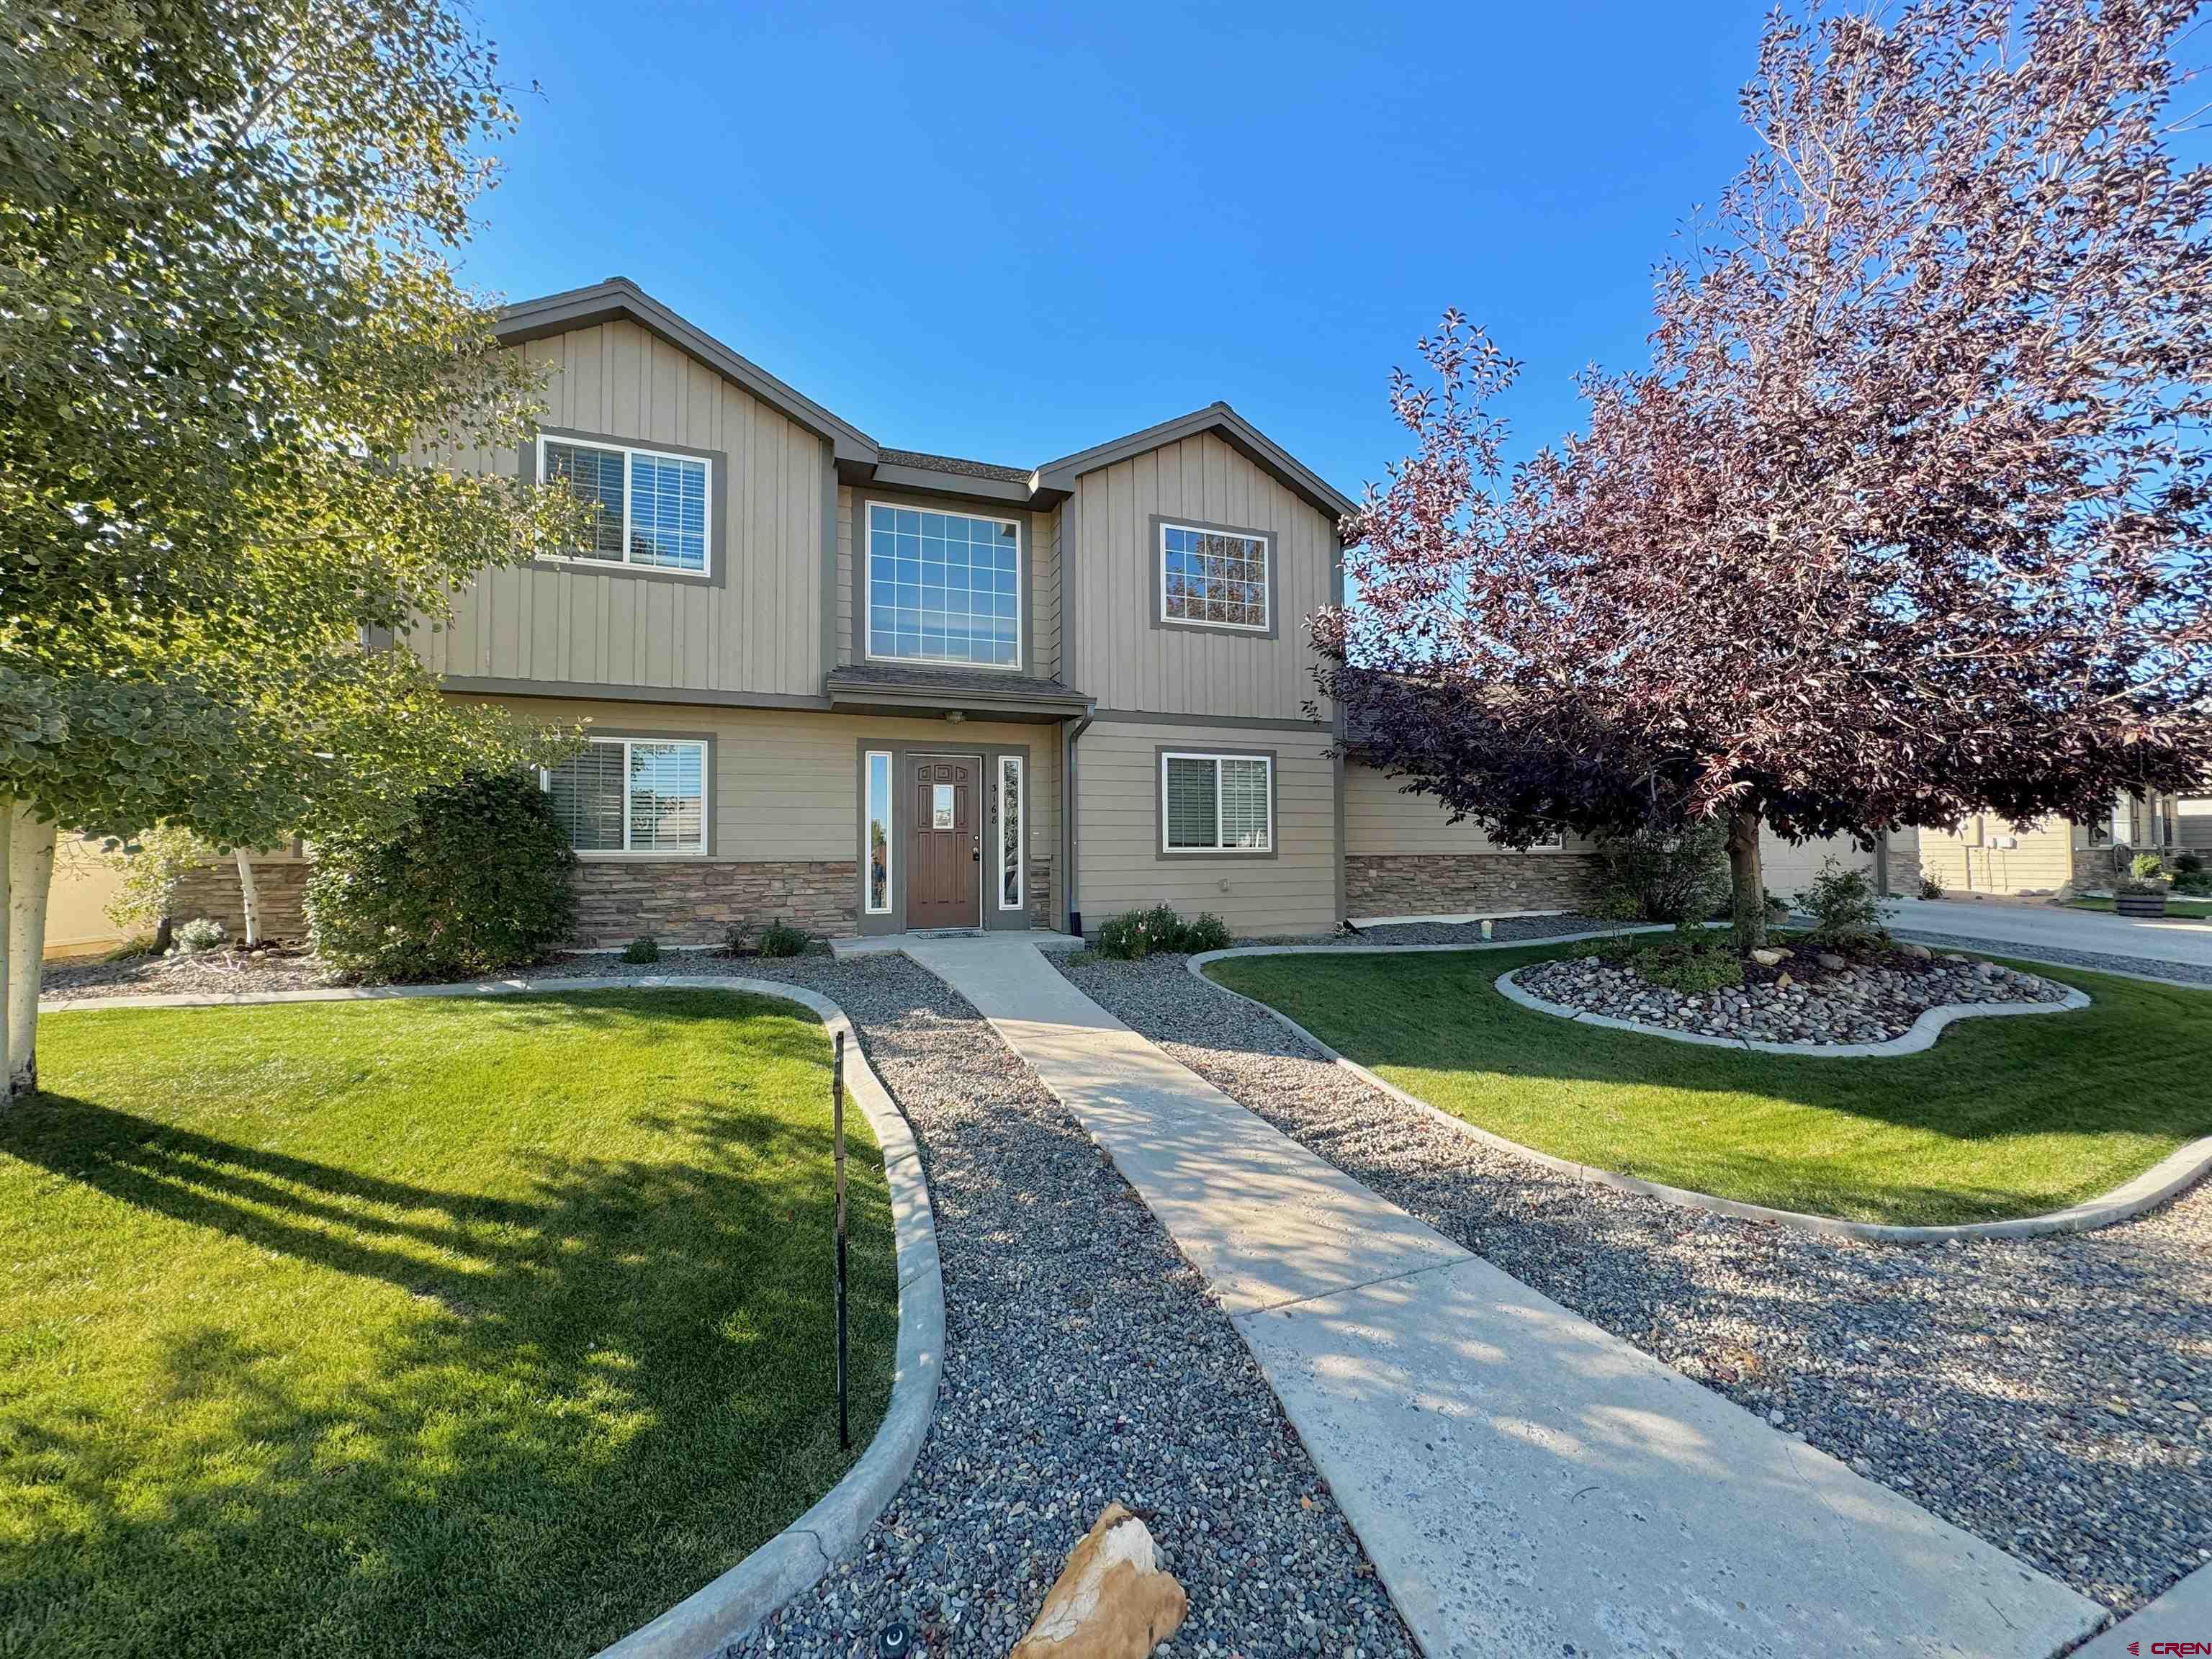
{"x": 652, "y": 505}
{"x": 632, "y": 795}
{"x": 1216, "y": 803}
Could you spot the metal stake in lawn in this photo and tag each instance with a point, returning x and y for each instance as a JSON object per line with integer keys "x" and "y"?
{"x": 837, "y": 1128}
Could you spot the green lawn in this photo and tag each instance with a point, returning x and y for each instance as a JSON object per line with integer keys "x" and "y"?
{"x": 2001, "y": 1117}
{"x": 2198, "y": 910}
{"x": 420, "y": 1327}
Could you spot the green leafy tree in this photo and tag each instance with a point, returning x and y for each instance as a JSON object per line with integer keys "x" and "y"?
{"x": 229, "y": 338}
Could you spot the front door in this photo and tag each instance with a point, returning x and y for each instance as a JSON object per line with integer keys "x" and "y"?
{"x": 943, "y": 843}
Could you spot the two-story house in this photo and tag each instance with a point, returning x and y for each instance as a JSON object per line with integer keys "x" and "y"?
{"x": 870, "y": 690}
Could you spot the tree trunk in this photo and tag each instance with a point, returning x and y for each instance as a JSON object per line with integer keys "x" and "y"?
{"x": 7, "y": 935}
{"x": 249, "y": 896}
{"x": 1748, "y": 905}
{"x": 30, "y": 879}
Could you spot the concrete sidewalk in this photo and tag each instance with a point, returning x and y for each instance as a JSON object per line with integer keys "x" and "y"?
{"x": 1524, "y": 1482}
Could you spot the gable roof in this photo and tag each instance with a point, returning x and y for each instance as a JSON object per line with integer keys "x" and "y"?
{"x": 619, "y": 298}
{"x": 858, "y": 457}
{"x": 1215, "y": 417}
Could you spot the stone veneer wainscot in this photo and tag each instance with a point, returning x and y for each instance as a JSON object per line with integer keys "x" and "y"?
{"x": 698, "y": 903}
{"x": 1448, "y": 883}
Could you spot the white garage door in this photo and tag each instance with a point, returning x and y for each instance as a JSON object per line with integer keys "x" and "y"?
{"x": 1791, "y": 869}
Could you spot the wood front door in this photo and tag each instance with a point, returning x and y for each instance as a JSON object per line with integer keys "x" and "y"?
{"x": 943, "y": 843}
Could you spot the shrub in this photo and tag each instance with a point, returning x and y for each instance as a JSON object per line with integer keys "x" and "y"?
{"x": 737, "y": 941}
{"x": 781, "y": 938}
{"x": 1166, "y": 927}
{"x": 2146, "y": 866}
{"x": 1659, "y": 874}
{"x": 1843, "y": 904}
{"x": 200, "y": 933}
{"x": 644, "y": 948}
{"x": 1207, "y": 933}
{"x": 1931, "y": 887}
{"x": 1128, "y": 937}
{"x": 1692, "y": 962}
{"x": 478, "y": 882}
{"x": 2188, "y": 864}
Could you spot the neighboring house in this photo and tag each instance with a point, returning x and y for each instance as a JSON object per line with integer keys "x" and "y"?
{"x": 1989, "y": 855}
{"x": 869, "y": 689}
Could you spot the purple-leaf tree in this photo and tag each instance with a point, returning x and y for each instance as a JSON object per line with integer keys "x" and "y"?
{"x": 1908, "y": 516}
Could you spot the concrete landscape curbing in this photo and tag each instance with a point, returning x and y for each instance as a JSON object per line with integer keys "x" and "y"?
{"x": 1925, "y": 1029}
{"x": 2179, "y": 1621}
{"x": 729, "y": 1606}
{"x": 2174, "y": 1174}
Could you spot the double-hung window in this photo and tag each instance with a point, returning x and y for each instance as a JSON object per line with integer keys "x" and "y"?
{"x": 944, "y": 587}
{"x": 651, "y": 506}
{"x": 1213, "y": 578}
{"x": 632, "y": 795}
{"x": 1216, "y": 803}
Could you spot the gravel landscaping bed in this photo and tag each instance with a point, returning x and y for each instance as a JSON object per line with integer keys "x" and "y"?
{"x": 2051, "y": 1395}
{"x": 1084, "y": 1362}
{"x": 1814, "y": 998}
{"x": 2192, "y": 972}
{"x": 229, "y": 972}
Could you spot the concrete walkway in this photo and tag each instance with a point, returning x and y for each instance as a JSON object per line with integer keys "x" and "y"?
{"x": 1524, "y": 1482}
{"x": 2053, "y": 925}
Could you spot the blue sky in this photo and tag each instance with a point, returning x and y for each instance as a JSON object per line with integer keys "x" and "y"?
{"x": 1010, "y": 236}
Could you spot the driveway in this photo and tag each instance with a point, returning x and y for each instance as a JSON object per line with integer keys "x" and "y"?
{"x": 2052, "y": 926}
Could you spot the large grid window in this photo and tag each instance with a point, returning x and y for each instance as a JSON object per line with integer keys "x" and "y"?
{"x": 632, "y": 795}
{"x": 944, "y": 587}
{"x": 652, "y": 507}
{"x": 1213, "y": 577}
{"x": 1216, "y": 803}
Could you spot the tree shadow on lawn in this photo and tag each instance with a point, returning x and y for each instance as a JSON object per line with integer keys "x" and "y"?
{"x": 596, "y": 1396}
{"x": 2111, "y": 1088}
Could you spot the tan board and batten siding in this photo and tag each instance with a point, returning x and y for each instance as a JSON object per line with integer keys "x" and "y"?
{"x": 1114, "y": 653}
{"x": 758, "y": 629}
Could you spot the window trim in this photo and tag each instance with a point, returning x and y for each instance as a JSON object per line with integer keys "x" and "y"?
{"x": 1164, "y": 753}
{"x": 703, "y": 742}
{"x": 999, "y": 763}
{"x": 890, "y": 831}
{"x": 1161, "y": 523}
{"x": 864, "y": 613}
{"x": 713, "y": 575}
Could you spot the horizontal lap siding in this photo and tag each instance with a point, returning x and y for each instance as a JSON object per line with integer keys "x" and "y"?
{"x": 1380, "y": 818}
{"x": 2193, "y": 823}
{"x": 1116, "y": 655}
{"x": 2042, "y": 861}
{"x": 1117, "y": 826}
{"x": 787, "y": 783}
{"x": 759, "y": 630}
